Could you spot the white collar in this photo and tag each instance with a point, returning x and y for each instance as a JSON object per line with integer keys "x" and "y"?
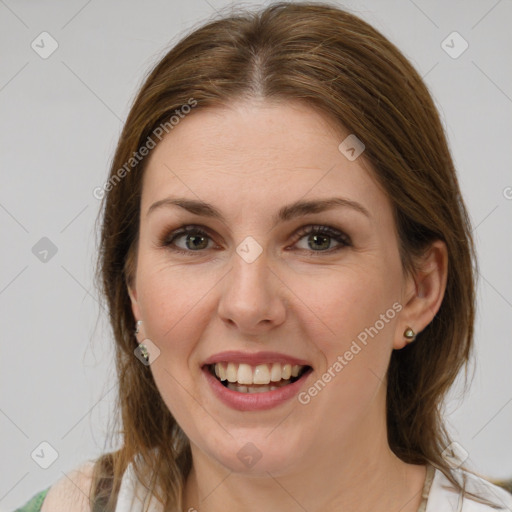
{"x": 443, "y": 497}
{"x": 133, "y": 496}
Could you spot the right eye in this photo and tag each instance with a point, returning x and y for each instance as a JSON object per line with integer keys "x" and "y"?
{"x": 195, "y": 239}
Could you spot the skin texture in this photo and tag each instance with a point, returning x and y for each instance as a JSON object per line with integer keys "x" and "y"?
{"x": 305, "y": 300}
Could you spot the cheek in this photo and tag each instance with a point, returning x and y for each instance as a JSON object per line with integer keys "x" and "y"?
{"x": 170, "y": 299}
{"x": 349, "y": 303}
{"x": 174, "y": 320}
{"x": 358, "y": 309}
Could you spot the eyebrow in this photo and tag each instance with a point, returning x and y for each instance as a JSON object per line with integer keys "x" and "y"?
{"x": 286, "y": 213}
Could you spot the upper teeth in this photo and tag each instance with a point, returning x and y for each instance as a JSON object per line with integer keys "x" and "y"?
{"x": 260, "y": 374}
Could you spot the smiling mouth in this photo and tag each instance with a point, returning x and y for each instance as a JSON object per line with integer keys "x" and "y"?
{"x": 246, "y": 378}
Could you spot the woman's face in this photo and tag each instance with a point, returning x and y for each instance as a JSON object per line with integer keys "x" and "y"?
{"x": 252, "y": 289}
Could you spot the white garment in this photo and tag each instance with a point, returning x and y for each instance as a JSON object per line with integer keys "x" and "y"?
{"x": 133, "y": 496}
{"x": 443, "y": 497}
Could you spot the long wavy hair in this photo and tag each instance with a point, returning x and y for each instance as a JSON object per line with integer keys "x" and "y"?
{"x": 343, "y": 68}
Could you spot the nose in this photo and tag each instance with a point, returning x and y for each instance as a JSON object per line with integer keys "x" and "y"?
{"x": 252, "y": 297}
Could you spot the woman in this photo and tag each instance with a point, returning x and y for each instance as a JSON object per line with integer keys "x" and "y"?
{"x": 288, "y": 265}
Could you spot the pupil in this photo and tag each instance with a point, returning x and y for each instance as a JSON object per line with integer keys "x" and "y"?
{"x": 194, "y": 239}
{"x": 324, "y": 237}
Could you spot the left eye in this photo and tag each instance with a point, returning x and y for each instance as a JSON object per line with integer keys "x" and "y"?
{"x": 196, "y": 239}
{"x": 322, "y": 236}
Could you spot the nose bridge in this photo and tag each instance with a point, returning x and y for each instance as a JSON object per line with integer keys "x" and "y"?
{"x": 249, "y": 279}
{"x": 250, "y": 296}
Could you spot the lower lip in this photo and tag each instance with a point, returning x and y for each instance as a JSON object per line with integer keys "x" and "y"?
{"x": 254, "y": 401}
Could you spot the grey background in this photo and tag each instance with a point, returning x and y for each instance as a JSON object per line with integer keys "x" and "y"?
{"x": 60, "y": 120}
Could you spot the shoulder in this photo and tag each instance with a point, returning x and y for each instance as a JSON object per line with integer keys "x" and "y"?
{"x": 71, "y": 492}
{"x": 445, "y": 497}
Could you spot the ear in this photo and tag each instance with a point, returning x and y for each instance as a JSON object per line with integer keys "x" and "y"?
{"x": 423, "y": 292}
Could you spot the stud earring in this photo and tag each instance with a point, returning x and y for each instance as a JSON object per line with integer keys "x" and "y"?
{"x": 409, "y": 335}
{"x": 142, "y": 348}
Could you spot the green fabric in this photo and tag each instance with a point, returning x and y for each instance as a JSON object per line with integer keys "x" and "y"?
{"x": 35, "y": 504}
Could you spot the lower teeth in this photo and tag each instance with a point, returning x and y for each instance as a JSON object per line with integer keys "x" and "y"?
{"x": 255, "y": 389}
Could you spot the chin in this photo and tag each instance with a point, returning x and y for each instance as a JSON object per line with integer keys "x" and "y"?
{"x": 257, "y": 452}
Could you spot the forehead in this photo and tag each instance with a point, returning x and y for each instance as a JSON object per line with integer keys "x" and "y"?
{"x": 254, "y": 154}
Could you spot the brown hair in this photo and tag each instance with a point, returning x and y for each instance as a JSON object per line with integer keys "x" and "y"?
{"x": 342, "y": 67}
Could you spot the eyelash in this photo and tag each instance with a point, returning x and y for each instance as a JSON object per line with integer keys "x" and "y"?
{"x": 312, "y": 229}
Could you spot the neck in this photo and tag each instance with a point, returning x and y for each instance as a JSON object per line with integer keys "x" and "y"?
{"x": 359, "y": 476}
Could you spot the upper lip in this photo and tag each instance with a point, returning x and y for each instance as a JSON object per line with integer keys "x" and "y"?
{"x": 254, "y": 358}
